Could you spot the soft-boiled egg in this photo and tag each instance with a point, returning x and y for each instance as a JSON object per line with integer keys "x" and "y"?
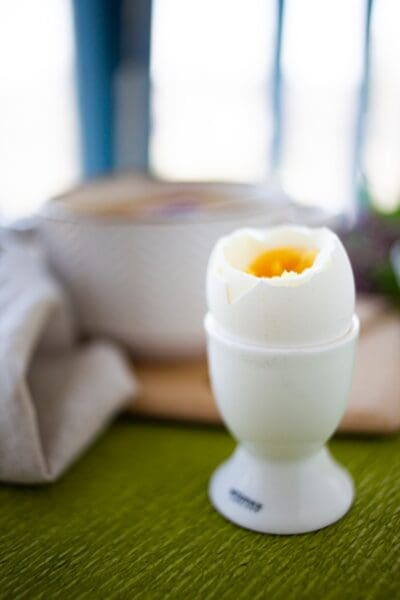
{"x": 286, "y": 286}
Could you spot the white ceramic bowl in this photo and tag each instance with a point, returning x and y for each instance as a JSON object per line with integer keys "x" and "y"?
{"x": 140, "y": 278}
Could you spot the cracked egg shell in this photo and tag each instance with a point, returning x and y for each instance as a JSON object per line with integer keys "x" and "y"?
{"x": 305, "y": 298}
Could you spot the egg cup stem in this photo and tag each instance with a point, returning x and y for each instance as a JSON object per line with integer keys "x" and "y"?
{"x": 281, "y": 496}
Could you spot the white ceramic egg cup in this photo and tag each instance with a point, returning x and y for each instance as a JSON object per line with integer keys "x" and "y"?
{"x": 282, "y": 405}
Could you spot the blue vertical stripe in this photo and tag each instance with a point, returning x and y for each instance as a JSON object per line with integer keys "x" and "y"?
{"x": 363, "y": 100}
{"x": 277, "y": 88}
{"x": 97, "y": 35}
{"x": 132, "y": 148}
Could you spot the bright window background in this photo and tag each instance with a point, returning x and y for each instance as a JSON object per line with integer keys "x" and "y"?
{"x": 212, "y": 114}
{"x": 382, "y": 151}
{"x": 39, "y": 153}
{"x": 211, "y": 75}
{"x": 322, "y": 73}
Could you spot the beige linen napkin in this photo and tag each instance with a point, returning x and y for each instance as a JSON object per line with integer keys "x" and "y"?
{"x": 54, "y": 397}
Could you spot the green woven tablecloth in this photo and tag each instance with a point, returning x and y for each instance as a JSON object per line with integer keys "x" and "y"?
{"x": 132, "y": 520}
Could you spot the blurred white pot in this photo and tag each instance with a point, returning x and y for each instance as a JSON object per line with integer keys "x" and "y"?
{"x": 138, "y": 276}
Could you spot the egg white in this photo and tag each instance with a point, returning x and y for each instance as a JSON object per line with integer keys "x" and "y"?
{"x": 295, "y": 309}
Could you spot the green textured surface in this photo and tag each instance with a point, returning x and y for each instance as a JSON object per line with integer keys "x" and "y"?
{"x": 132, "y": 520}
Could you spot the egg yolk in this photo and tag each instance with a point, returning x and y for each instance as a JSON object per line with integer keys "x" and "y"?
{"x": 277, "y": 261}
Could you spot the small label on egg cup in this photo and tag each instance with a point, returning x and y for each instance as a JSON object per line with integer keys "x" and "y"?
{"x": 282, "y": 405}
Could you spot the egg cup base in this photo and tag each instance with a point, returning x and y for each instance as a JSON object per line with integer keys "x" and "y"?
{"x": 281, "y": 496}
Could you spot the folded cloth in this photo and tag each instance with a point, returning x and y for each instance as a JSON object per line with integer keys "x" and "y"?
{"x": 55, "y": 397}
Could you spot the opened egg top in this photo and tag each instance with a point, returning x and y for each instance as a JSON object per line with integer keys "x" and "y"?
{"x": 285, "y": 286}
{"x": 277, "y": 262}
